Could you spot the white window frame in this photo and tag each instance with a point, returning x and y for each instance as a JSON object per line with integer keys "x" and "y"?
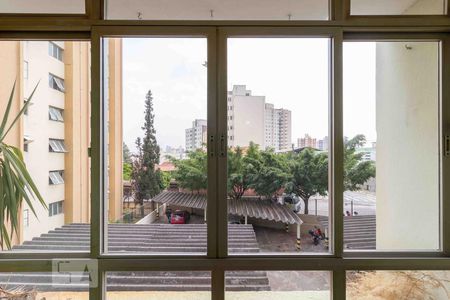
{"x": 56, "y": 83}
{"x": 57, "y": 145}
{"x": 55, "y": 51}
{"x": 26, "y": 217}
{"x": 55, "y": 208}
{"x": 56, "y": 177}
{"x": 55, "y": 114}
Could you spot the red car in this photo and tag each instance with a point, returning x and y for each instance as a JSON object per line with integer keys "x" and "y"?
{"x": 179, "y": 217}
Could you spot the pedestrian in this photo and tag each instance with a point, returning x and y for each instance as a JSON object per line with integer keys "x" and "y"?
{"x": 168, "y": 214}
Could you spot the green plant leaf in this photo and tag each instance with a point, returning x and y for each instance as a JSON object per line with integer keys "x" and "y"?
{"x": 25, "y": 106}
{"x": 16, "y": 184}
{"x": 6, "y": 114}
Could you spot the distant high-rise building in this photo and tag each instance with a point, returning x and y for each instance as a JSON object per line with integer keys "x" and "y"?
{"x": 171, "y": 152}
{"x": 307, "y": 141}
{"x": 323, "y": 144}
{"x": 196, "y": 135}
{"x": 251, "y": 119}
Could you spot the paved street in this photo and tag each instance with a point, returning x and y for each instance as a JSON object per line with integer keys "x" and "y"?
{"x": 364, "y": 203}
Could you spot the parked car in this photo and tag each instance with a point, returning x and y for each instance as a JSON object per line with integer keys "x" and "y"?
{"x": 292, "y": 201}
{"x": 179, "y": 217}
{"x": 234, "y": 220}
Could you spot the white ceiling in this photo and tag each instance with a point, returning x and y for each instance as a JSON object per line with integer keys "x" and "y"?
{"x": 396, "y": 7}
{"x": 222, "y": 9}
{"x": 43, "y": 6}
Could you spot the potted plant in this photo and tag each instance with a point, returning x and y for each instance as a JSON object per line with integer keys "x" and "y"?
{"x": 16, "y": 184}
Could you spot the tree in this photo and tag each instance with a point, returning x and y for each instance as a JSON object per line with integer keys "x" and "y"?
{"x": 309, "y": 175}
{"x": 356, "y": 171}
{"x": 147, "y": 179}
{"x": 127, "y": 164}
{"x": 309, "y": 171}
{"x": 266, "y": 171}
{"x": 126, "y": 154}
{"x": 191, "y": 173}
{"x": 238, "y": 177}
{"x": 127, "y": 170}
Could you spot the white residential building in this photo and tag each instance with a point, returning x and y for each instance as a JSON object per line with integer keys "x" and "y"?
{"x": 251, "y": 119}
{"x": 196, "y": 135}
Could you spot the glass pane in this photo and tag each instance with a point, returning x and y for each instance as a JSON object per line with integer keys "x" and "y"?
{"x": 43, "y": 6}
{"x": 278, "y": 144}
{"x": 61, "y": 174}
{"x": 365, "y": 285}
{"x": 398, "y": 7}
{"x": 157, "y": 145}
{"x": 167, "y": 285}
{"x": 217, "y": 10}
{"x": 268, "y": 285}
{"x": 391, "y": 118}
{"x": 50, "y": 286}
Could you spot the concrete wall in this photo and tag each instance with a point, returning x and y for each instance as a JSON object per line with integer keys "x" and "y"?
{"x": 407, "y": 145}
{"x": 115, "y": 129}
{"x": 39, "y": 128}
{"x": 76, "y": 123}
{"x": 11, "y": 58}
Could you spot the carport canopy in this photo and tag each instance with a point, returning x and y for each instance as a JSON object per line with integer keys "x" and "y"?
{"x": 245, "y": 207}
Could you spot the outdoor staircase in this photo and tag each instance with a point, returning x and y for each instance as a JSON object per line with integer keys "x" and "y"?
{"x": 136, "y": 281}
{"x": 148, "y": 238}
{"x": 136, "y": 238}
{"x": 359, "y": 231}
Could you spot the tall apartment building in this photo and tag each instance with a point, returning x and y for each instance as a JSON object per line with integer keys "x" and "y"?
{"x": 196, "y": 135}
{"x": 55, "y": 131}
{"x": 251, "y": 119}
{"x": 307, "y": 141}
{"x": 322, "y": 144}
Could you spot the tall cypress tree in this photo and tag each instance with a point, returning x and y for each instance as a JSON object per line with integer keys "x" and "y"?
{"x": 148, "y": 180}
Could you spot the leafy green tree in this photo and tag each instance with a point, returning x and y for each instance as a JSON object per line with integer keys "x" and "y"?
{"x": 238, "y": 177}
{"x": 147, "y": 179}
{"x": 309, "y": 175}
{"x": 309, "y": 171}
{"x": 126, "y": 154}
{"x": 191, "y": 173}
{"x": 166, "y": 176}
{"x": 356, "y": 171}
{"x": 127, "y": 170}
{"x": 266, "y": 171}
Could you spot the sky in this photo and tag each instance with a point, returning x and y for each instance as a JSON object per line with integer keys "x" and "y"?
{"x": 292, "y": 73}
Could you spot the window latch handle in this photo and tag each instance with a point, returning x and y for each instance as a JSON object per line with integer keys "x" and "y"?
{"x": 222, "y": 146}
{"x": 211, "y": 146}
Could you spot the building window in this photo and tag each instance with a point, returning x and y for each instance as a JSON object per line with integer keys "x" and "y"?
{"x": 56, "y": 83}
{"x": 26, "y": 141}
{"x": 55, "y": 114}
{"x": 55, "y": 51}
{"x": 25, "y": 69}
{"x": 26, "y": 217}
{"x": 56, "y": 177}
{"x": 56, "y": 145}
{"x": 25, "y": 112}
{"x": 55, "y": 208}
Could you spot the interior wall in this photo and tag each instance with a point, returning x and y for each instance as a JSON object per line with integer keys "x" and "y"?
{"x": 407, "y": 93}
